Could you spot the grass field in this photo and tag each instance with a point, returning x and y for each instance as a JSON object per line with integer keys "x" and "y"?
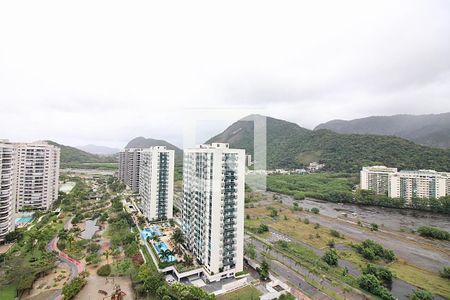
{"x": 246, "y": 293}
{"x": 7, "y": 293}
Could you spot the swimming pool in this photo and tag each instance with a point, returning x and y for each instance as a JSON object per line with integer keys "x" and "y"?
{"x": 150, "y": 232}
{"x": 160, "y": 247}
{"x": 23, "y": 220}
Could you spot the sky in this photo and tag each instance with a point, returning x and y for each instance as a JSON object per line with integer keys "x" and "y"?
{"x": 104, "y": 72}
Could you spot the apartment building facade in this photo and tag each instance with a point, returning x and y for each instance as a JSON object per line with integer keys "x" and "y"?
{"x": 37, "y": 175}
{"x": 418, "y": 184}
{"x": 213, "y": 208}
{"x": 156, "y": 181}
{"x": 376, "y": 178}
{"x": 8, "y": 160}
{"x": 129, "y": 163}
{"x": 405, "y": 184}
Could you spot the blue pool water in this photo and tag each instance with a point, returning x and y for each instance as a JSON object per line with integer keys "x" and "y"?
{"x": 161, "y": 246}
{"x": 23, "y": 220}
{"x": 150, "y": 232}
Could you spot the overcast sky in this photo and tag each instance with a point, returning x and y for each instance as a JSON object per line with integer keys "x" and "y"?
{"x": 103, "y": 72}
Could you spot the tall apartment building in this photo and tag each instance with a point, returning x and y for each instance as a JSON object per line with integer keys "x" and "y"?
{"x": 156, "y": 182}
{"x": 376, "y": 178}
{"x": 213, "y": 208}
{"x": 37, "y": 175}
{"x": 418, "y": 184}
{"x": 129, "y": 163}
{"x": 8, "y": 161}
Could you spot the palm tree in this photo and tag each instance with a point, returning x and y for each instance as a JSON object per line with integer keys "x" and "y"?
{"x": 178, "y": 236}
{"x": 156, "y": 238}
{"x": 70, "y": 239}
{"x": 106, "y": 254}
{"x": 165, "y": 254}
{"x": 62, "y": 235}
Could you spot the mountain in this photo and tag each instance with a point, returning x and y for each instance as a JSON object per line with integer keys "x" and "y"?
{"x": 142, "y": 142}
{"x": 100, "y": 150}
{"x": 291, "y": 146}
{"x": 73, "y": 157}
{"x": 430, "y": 130}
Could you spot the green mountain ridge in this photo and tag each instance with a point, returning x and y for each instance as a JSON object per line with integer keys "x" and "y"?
{"x": 290, "y": 146}
{"x": 71, "y": 156}
{"x": 430, "y": 130}
{"x": 142, "y": 142}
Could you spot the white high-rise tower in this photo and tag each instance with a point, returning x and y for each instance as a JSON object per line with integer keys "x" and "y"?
{"x": 156, "y": 182}
{"x": 213, "y": 208}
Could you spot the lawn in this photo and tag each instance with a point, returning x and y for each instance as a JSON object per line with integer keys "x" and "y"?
{"x": 247, "y": 293}
{"x": 7, "y": 293}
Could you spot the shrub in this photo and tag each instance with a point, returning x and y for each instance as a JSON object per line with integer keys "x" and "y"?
{"x": 331, "y": 243}
{"x": 445, "y": 272}
{"x": 71, "y": 289}
{"x": 262, "y": 228}
{"x": 104, "y": 270}
{"x": 370, "y": 283}
{"x": 331, "y": 257}
{"x": 421, "y": 295}
{"x": 315, "y": 210}
{"x": 374, "y": 227}
{"x": 434, "y": 232}
{"x": 316, "y": 226}
{"x": 306, "y": 221}
{"x": 380, "y": 273}
{"x": 371, "y": 250}
{"x": 335, "y": 233}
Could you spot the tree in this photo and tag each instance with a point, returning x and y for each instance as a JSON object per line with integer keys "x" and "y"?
{"x": 13, "y": 236}
{"x": 188, "y": 260}
{"x": 331, "y": 257}
{"x": 262, "y": 228}
{"x": 250, "y": 251}
{"x": 263, "y": 270}
{"x": 106, "y": 254}
{"x": 104, "y": 270}
{"x": 178, "y": 236}
{"x": 165, "y": 254}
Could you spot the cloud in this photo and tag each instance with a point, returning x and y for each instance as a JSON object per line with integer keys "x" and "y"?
{"x": 103, "y": 72}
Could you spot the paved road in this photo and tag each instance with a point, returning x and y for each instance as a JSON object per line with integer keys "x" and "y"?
{"x": 76, "y": 266}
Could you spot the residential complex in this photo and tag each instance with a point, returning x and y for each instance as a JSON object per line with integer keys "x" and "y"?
{"x": 376, "y": 178}
{"x": 37, "y": 175}
{"x": 29, "y": 179}
{"x": 213, "y": 208}
{"x": 7, "y": 188}
{"x": 129, "y": 163}
{"x": 156, "y": 182}
{"x": 405, "y": 184}
{"x": 418, "y": 184}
